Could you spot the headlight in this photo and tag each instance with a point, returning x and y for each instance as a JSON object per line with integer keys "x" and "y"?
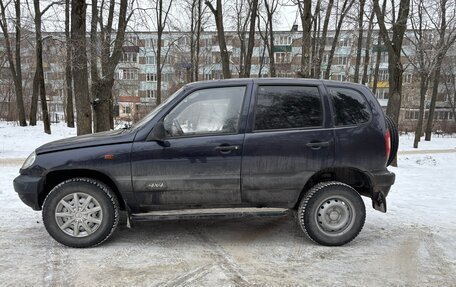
{"x": 29, "y": 161}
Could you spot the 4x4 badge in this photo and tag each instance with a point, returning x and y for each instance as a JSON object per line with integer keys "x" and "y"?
{"x": 156, "y": 186}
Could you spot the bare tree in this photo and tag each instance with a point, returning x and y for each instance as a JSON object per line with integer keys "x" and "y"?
{"x": 14, "y": 60}
{"x": 305, "y": 12}
{"x": 343, "y": 12}
{"x": 322, "y": 39}
{"x": 224, "y": 54}
{"x": 110, "y": 53}
{"x": 446, "y": 31}
{"x": 39, "y": 86}
{"x": 361, "y": 5}
{"x": 162, "y": 15}
{"x": 79, "y": 62}
{"x": 393, "y": 43}
{"x": 367, "y": 47}
{"x": 196, "y": 23}
{"x": 246, "y": 17}
{"x": 421, "y": 59}
{"x": 267, "y": 37}
{"x": 68, "y": 72}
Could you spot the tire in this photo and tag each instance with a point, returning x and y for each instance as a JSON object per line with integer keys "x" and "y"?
{"x": 93, "y": 222}
{"x": 394, "y": 135}
{"x": 333, "y": 199}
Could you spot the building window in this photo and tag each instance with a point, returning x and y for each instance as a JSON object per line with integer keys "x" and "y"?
{"x": 282, "y": 57}
{"x": 343, "y": 60}
{"x": 383, "y": 75}
{"x": 283, "y": 40}
{"x": 126, "y": 110}
{"x": 382, "y": 94}
{"x": 345, "y": 42}
{"x": 131, "y": 40}
{"x": 150, "y": 60}
{"x": 150, "y": 42}
{"x": 128, "y": 74}
{"x": 407, "y": 78}
{"x": 151, "y": 94}
{"x": 128, "y": 57}
{"x": 151, "y": 77}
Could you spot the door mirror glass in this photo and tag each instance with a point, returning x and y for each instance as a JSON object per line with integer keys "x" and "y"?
{"x": 207, "y": 111}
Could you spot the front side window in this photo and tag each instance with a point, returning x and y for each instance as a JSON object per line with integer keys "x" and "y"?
{"x": 285, "y": 107}
{"x": 350, "y": 107}
{"x": 208, "y": 111}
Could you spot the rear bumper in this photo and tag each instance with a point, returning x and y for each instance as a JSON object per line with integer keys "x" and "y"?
{"x": 381, "y": 185}
{"x": 383, "y": 180}
{"x": 28, "y": 188}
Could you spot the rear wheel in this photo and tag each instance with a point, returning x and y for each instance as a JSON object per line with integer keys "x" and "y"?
{"x": 394, "y": 135}
{"x": 80, "y": 212}
{"x": 331, "y": 213}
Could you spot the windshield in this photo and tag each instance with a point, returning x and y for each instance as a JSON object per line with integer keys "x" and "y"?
{"x": 155, "y": 111}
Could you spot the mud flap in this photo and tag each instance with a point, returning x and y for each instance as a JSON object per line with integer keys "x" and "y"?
{"x": 379, "y": 201}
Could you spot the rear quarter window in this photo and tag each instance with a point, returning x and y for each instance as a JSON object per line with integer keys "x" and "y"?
{"x": 288, "y": 107}
{"x": 350, "y": 106}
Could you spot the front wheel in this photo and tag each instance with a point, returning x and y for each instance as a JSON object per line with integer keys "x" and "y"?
{"x": 80, "y": 212}
{"x": 331, "y": 213}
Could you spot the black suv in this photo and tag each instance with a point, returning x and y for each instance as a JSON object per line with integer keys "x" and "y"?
{"x": 309, "y": 146}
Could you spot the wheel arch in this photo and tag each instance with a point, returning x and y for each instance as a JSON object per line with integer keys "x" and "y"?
{"x": 55, "y": 177}
{"x": 351, "y": 176}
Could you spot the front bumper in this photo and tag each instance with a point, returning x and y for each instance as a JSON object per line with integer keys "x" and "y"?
{"x": 381, "y": 183}
{"x": 29, "y": 188}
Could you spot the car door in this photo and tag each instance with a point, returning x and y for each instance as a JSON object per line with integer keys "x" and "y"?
{"x": 199, "y": 161}
{"x": 289, "y": 138}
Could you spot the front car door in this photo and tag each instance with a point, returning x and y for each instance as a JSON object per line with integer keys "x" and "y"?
{"x": 287, "y": 141}
{"x": 199, "y": 162}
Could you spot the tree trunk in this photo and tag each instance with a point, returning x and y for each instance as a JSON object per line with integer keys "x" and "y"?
{"x": 435, "y": 90}
{"x": 360, "y": 40}
{"x": 345, "y": 8}
{"x": 368, "y": 46}
{"x": 377, "y": 65}
{"x": 79, "y": 61}
{"x": 34, "y": 99}
{"x": 102, "y": 87}
{"x": 419, "y": 126}
{"x": 68, "y": 75}
{"x": 39, "y": 68}
{"x": 14, "y": 62}
{"x": 305, "y": 10}
{"x": 224, "y": 54}
{"x": 251, "y": 43}
{"x": 394, "y": 46}
{"x": 323, "y": 39}
{"x": 191, "y": 77}
{"x": 198, "y": 44}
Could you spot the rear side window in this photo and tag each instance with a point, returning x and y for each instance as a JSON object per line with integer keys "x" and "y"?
{"x": 350, "y": 107}
{"x": 286, "y": 107}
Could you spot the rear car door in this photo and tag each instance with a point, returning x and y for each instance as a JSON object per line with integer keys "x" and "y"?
{"x": 288, "y": 139}
{"x": 201, "y": 161}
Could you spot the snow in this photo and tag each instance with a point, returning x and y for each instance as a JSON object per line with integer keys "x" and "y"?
{"x": 411, "y": 245}
{"x": 19, "y": 142}
{"x": 437, "y": 142}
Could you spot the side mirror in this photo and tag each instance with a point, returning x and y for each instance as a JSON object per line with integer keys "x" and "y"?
{"x": 158, "y": 134}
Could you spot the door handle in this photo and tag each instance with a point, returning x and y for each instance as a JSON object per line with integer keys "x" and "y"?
{"x": 318, "y": 145}
{"x": 226, "y": 148}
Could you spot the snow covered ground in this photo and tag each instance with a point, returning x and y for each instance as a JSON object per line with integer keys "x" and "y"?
{"x": 411, "y": 245}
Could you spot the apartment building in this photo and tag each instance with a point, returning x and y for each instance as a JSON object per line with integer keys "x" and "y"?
{"x": 135, "y": 89}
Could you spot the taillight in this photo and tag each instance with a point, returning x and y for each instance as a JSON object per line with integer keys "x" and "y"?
{"x": 387, "y": 143}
